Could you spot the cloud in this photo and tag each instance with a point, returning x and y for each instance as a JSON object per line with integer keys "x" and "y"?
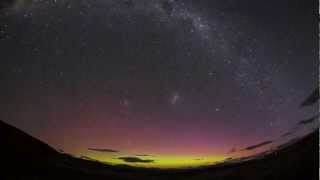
{"x": 143, "y": 155}
{"x": 61, "y": 150}
{"x": 228, "y": 159}
{"x": 198, "y": 159}
{"x": 249, "y": 148}
{"x": 103, "y": 150}
{"x": 87, "y": 158}
{"x": 135, "y": 160}
{"x": 298, "y": 125}
{"x": 308, "y": 121}
{"x": 312, "y": 98}
{"x": 233, "y": 150}
{"x": 286, "y": 134}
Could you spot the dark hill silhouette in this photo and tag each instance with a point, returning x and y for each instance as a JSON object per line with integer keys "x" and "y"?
{"x": 19, "y": 150}
{"x": 24, "y": 157}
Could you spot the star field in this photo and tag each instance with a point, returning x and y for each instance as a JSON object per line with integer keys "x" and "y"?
{"x": 179, "y": 81}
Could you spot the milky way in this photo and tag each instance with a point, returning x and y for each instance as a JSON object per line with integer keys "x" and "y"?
{"x": 182, "y": 82}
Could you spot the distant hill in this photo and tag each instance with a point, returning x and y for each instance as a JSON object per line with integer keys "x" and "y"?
{"x": 19, "y": 150}
{"x": 24, "y": 157}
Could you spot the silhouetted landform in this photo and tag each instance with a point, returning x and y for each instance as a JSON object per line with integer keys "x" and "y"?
{"x": 24, "y": 157}
{"x": 289, "y": 143}
{"x": 312, "y": 98}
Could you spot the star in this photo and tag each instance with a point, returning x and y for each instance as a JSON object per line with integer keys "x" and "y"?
{"x": 125, "y": 102}
{"x": 211, "y": 74}
{"x": 175, "y": 98}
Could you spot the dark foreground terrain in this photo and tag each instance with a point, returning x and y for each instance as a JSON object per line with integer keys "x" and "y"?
{"x": 24, "y": 157}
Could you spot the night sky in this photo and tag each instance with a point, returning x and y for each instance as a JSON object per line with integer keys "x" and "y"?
{"x": 159, "y": 83}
